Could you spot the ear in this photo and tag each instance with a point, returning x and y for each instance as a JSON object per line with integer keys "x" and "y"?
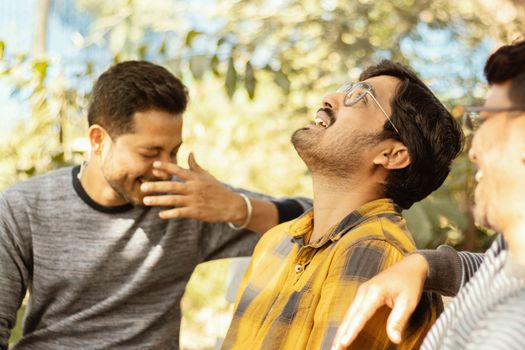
{"x": 394, "y": 156}
{"x": 98, "y": 137}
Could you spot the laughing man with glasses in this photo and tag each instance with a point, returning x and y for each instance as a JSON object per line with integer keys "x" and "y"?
{"x": 488, "y": 310}
{"x": 374, "y": 148}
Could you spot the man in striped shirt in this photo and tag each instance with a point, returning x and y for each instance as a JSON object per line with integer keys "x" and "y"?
{"x": 489, "y": 309}
{"x": 376, "y": 147}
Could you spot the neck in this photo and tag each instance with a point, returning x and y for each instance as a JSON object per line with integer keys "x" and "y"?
{"x": 335, "y": 198}
{"x": 96, "y": 186}
{"x": 515, "y": 236}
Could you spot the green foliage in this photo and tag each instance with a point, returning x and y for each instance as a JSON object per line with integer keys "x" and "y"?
{"x": 45, "y": 139}
{"x": 16, "y": 332}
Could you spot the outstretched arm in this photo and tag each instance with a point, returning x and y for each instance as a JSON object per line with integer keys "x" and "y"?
{"x": 400, "y": 287}
{"x": 201, "y": 196}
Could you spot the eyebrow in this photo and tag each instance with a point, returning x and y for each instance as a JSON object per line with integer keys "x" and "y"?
{"x": 158, "y": 148}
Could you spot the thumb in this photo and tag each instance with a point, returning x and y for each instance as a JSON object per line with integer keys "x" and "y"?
{"x": 398, "y": 318}
{"x": 194, "y": 166}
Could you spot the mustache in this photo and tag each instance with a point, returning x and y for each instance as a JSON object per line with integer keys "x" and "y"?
{"x": 329, "y": 113}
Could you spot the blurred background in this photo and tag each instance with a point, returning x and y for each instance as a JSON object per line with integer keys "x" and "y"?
{"x": 256, "y": 71}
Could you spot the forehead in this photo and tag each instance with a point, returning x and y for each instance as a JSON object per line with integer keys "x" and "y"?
{"x": 384, "y": 86}
{"x": 154, "y": 127}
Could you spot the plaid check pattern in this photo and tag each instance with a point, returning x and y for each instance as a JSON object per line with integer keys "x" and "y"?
{"x": 295, "y": 293}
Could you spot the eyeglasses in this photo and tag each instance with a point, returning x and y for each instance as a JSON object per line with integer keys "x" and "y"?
{"x": 356, "y": 92}
{"x": 472, "y": 118}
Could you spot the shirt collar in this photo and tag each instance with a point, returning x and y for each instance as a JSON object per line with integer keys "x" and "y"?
{"x": 301, "y": 229}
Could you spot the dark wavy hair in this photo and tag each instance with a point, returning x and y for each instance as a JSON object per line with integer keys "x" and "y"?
{"x": 508, "y": 63}
{"x": 130, "y": 87}
{"x": 431, "y": 134}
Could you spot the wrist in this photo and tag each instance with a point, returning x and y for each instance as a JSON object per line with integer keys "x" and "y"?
{"x": 241, "y": 213}
{"x": 420, "y": 264}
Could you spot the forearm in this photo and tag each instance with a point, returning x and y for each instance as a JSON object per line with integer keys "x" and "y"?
{"x": 449, "y": 270}
{"x": 265, "y": 216}
{"x": 267, "y": 212}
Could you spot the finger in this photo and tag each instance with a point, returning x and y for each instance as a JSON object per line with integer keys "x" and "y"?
{"x": 192, "y": 162}
{"x": 173, "y": 169}
{"x": 358, "y": 315}
{"x": 163, "y": 187}
{"x": 178, "y": 213}
{"x": 161, "y": 174}
{"x": 165, "y": 200}
{"x": 398, "y": 318}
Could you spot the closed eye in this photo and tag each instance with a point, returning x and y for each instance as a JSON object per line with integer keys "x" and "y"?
{"x": 149, "y": 156}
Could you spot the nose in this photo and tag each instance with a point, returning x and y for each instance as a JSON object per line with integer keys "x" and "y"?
{"x": 165, "y": 157}
{"x": 332, "y": 100}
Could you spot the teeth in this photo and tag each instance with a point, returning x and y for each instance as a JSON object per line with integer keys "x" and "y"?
{"x": 320, "y": 122}
{"x": 478, "y": 176}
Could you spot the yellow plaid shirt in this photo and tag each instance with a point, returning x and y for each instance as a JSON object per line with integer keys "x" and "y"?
{"x": 295, "y": 295}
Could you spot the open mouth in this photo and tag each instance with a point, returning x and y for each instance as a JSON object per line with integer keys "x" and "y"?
{"x": 320, "y": 122}
{"x": 324, "y": 118}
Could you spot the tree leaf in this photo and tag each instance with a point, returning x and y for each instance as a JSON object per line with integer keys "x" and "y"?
{"x": 231, "y": 78}
{"x": 282, "y": 81}
{"x": 214, "y": 63}
{"x": 162, "y": 48}
{"x": 58, "y": 158}
{"x": 40, "y": 67}
{"x": 198, "y": 65}
{"x": 190, "y": 36}
{"x": 249, "y": 80}
{"x": 2, "y": 49}
{"x": 143, "y": 49}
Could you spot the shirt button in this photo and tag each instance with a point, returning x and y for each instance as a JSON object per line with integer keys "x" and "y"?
{"x": 298, "y": 268}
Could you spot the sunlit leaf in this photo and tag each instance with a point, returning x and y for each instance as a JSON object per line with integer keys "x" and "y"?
{"x": 143, "y": 49}
{"x": 249, "y": 80}
{"x": 198, "y": 66}
{"x": 190, "y": 36}
{"x": 2, "y": 49}
{"x": 282, "y": 81}
{"x": 58, "y": 158}
{"x": 162, "y": 48}
{"x": 214, "y": 63}
{"x": 89, "y": 68}
{"x": 231, "y": 78}
{"x": 40, "y": 67}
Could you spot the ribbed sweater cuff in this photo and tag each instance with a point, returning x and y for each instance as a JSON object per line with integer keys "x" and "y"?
{"x": 288, "y": 209}
{"x": 444, "y": 273}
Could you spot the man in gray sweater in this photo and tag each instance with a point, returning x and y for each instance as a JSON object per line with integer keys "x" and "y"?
{"x": 488, "y": 311}
{"x": 103, "y": 270}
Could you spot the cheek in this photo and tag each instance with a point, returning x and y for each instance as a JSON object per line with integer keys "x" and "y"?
{"x": 128, "y": 165}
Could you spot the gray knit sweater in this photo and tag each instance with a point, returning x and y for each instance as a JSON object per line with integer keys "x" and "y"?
{"x": 98, "y": 278}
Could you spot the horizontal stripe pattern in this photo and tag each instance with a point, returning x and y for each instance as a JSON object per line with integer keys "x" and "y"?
{"x": 489, "y": 311}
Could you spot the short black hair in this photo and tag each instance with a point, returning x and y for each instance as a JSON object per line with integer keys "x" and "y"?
{"x": 130, "y": 87}
{"x": 431, "y": 134}
{"x": 508, "y": 64}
